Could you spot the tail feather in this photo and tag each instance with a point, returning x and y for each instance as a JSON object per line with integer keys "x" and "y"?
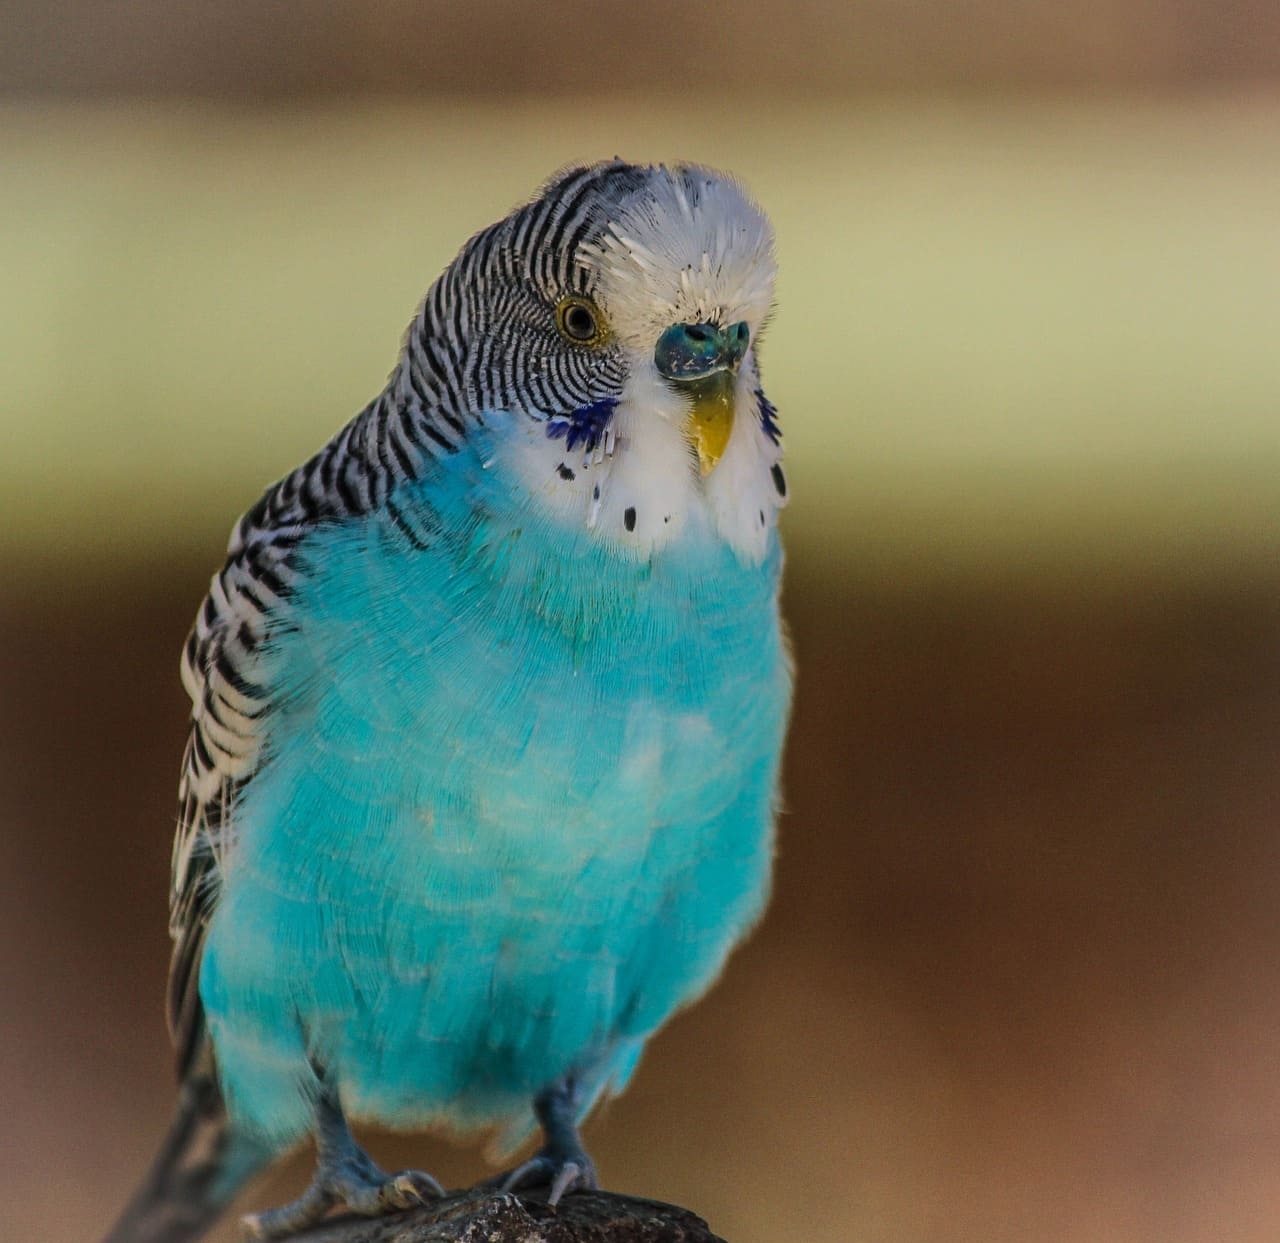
{"x": 200, "y": 1167}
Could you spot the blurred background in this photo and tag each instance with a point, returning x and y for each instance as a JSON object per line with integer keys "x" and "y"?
{"x": 1020, "y": 980}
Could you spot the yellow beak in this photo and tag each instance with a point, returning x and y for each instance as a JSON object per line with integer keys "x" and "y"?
{"x": 710, "y": 421}
{"x": 701, "y": 360}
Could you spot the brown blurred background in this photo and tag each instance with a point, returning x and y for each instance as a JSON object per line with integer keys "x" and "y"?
{"x": 1020, "y": 979}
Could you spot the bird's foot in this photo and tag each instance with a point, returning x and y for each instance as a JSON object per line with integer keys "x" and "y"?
{"x": 353, "y": 1181}
{"x": 560, "y": 1167}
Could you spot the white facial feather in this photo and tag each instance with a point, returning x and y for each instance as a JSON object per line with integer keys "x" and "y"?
{"x": 689, "y": 247}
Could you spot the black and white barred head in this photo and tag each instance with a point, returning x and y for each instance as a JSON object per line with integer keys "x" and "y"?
{"x": 549, "y": 310}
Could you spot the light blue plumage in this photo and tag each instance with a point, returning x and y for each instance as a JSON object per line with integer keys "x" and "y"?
{"x": 488, "y": 709}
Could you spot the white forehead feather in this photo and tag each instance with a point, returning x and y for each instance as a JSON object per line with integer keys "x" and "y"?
{"x": 688, "y": 246}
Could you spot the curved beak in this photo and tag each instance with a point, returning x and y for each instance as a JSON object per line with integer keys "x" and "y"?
{"x": 701, "y": 360}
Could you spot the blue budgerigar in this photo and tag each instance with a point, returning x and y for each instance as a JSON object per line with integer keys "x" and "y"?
{"x": 488, "y": 703}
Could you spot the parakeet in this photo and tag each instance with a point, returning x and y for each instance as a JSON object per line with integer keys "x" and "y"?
{"x": 488, "y": 703}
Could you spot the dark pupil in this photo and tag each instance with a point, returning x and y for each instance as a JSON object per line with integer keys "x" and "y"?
{"x": 580, "y": 322}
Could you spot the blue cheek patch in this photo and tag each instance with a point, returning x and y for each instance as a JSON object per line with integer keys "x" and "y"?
{"x": 769, "y": 418}
{"x": 584, "y": 426}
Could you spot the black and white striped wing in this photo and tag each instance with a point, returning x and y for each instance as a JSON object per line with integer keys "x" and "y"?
{"x": 230, "y": 710}
{"x": 224, "y": 670}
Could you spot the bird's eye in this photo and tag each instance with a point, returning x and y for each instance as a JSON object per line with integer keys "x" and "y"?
{"x": 580, "y": 321}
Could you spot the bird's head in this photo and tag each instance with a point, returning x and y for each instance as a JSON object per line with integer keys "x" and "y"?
{"x": 618, "y": 311}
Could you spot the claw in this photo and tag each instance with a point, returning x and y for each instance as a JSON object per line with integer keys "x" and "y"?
{"x": 562, "y": 1164}
{"x": 522, "y": 1174}
{"x": 560, "y": 1171}
{"x": 416, "y": 1187}
{"x": 567, "y": 1178}
{"x": 369, "y": 1193}
{"x": 346, "y": 1176}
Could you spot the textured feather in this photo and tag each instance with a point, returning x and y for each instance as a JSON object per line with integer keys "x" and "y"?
{"x": 540, "y": 776}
